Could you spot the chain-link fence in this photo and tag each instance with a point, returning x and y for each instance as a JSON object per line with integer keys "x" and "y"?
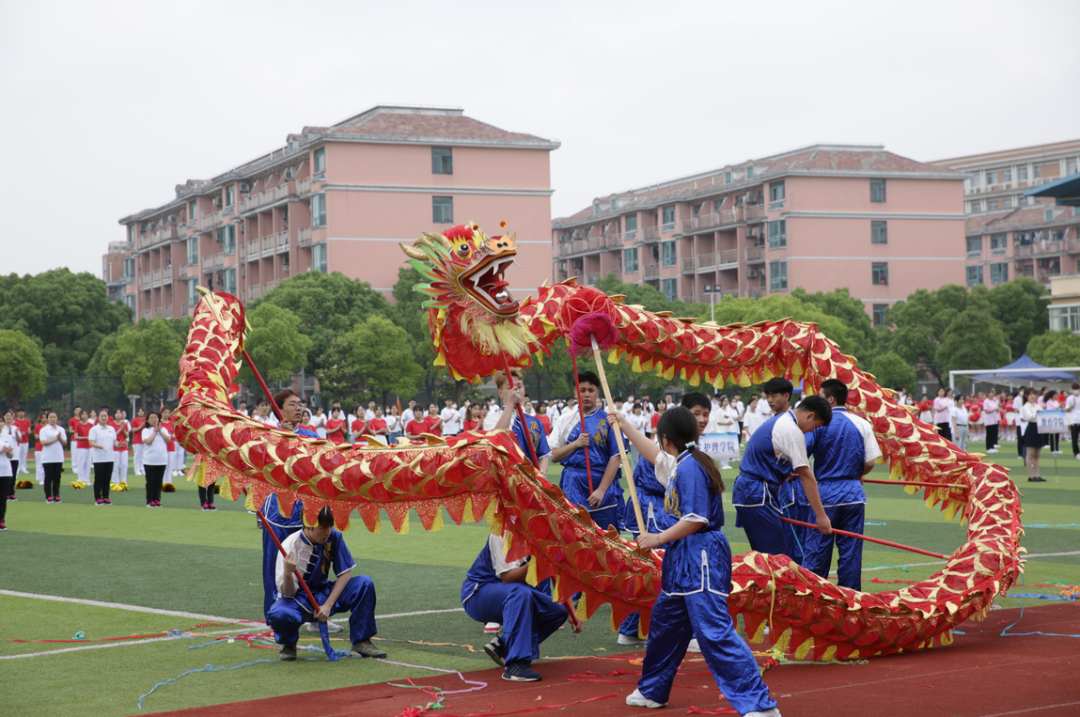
{"x": 63, "y": 393}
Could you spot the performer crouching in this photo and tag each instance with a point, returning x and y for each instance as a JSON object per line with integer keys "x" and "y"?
{"x": 315, "y": 551}
{"x": 696, "y": 579}
{"x": 496, "y": 591}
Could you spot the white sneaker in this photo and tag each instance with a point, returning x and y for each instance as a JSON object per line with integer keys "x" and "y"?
{"x": 725, "y": 466}
{"x": 693, "y": 646}
{"x": 636, "y": 699}
{"x": 330, "y": 627}
{"x": 774, "y": 712}
{"x": 629, "y": 639}
{"x": 491, "y": 628}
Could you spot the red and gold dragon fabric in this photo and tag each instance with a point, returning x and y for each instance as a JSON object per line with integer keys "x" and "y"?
{"x": 478, "y": 328}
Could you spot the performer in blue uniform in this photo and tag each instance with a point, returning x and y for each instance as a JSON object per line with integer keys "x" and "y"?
{"x": 533, "y": 431}
{"x": 775, "y": 451}
{"x": 777, "y": 393}
{"x": 496, "y": 591}
{"x": 844, "y": 451}
{"x": 315, "y": 551}
{"x": 696, "y": 580}
{"x": 568, "y": 446}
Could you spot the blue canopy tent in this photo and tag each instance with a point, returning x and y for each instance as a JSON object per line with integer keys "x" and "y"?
{"x": 1021, "y": 372}
{"x": 1065, "y": 190}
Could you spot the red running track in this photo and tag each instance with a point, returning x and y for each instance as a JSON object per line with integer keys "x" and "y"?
{"x": 982, "y": 674}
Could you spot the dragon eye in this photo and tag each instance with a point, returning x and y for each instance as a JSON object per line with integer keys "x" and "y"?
{"x": 464, "y": 250}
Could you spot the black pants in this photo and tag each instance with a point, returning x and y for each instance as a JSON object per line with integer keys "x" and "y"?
{"x": 991, "y": 436}
{"x": 1074, "y": 430}
{"x": 206, "y": 495}
{"x": 155, "y": 476}
{"x": 10, "y": 489}
{"x": 946, "y": 431}
{"x": 8, "y": 483}
{"x": 1020, "y": 451}
{"x": 1055, "y": 441}
{"x": 53, "y": 471}
{"x": 102, "y": 478}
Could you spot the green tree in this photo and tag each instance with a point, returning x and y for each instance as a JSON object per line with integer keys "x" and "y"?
{"x": 741, "y": 309}
{"x": 892, "y": 371}
{"x": 22, "y": 367}
{"x": 372, "y": 361}
{"x": 327, "y": 306}
{"x": 1021, "y": 307}
{"x": 851, "y": 312}
{"x": 648, "y": 296}
{"x": 66, "y": 314}
{"x": 147, "y": 357}
{"x": 274, "y": 343}
{"x": 973, "y": 339}
{"x": 1055, "y": 348}
{"x": 921, "y": 322}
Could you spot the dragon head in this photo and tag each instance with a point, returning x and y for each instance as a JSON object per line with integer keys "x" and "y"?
{"x": 473, "y": 316}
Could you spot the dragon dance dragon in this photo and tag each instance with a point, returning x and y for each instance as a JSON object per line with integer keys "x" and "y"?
{"x": 478, "y": 328}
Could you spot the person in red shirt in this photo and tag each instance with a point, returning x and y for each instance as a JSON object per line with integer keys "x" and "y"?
{"x": 541, "y": 415}
{"x": 377, "y": 425}
{"x": 335, "y": 427}
{"x": 23, "y": 424}
{"x": 120, "y": 465}
{"x": 80, "y": 457}
{"x": 137, "y": 426}
{"x": 430, "y": 423}
{"x": 660, "y": 408}
{"x": 473, "y": 421}
{"x": 359, "y": 425}
{"x": 75, "y": 416}
{"x": 39, "y": 467}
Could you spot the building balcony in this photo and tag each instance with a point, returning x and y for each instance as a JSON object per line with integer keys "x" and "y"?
{"x": 304, "y": 236}
{"x": 755, "y": 254}
{"x": 707, "y": 261}
{"x": 650, "y": 235}
{"x": 267, "y": 246}
{"x": 727, "y": 259}
{"x": 209, "y": 222}
{"x": 252, "y": 249}
{"x": 146, "y": 280}
{"x": 147, "y": 314}
{"x": 283, "y": 241}
{"x": 709, "y": 221}
{"x": 156, "y": 278}
{"x": 157, "y": 313}
{"x": 182, "y": 272}
{"x": 303, "y": 186}
{"x": 652, "y": 271}
{"x": 269, "y": 286}
{"x": 215, "y": 261}
{"x": 613, "y": 241}
{"x": 166, "y": 276}
{"x": 688, "y": 265}
{"x": 591, "y": 279}
{"x": 167, "y": 311}
{"x": 254, "y": 292}
{"x": 755, "y": 212}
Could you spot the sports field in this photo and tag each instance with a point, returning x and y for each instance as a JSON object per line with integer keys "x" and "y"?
{"x": 177, "y": 567}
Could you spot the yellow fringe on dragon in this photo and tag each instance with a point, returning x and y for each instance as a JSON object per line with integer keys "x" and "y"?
{"x": 476, "y": 326}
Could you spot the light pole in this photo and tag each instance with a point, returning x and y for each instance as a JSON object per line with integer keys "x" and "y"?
{"x": 712, "y": 290}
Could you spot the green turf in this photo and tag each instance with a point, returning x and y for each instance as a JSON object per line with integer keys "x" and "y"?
{"x": 180, "y": 558}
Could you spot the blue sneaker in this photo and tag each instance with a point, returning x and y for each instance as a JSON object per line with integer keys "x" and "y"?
{"x": 521, "y": 671}
{"x": 496, "y": 650}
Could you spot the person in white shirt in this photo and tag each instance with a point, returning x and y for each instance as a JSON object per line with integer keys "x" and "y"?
{"x": 991, "y": 419}
{"x": 493, "y": 415}
{"x": 1033, "y": 441}
{"x": 394, "y": 426}
{"x": 763, "y": 408}
{"x": 739, "y": 410}
{"x": 9, "y": 447}
{"x": 409, "y": 414}
{"x": 638, "y": 421}
{"x": 1021, "y": 425}
{"x": 449, "y": 415}
{"x": 102, "y": 455}
{"x": 753, "y": 419}
{"x": 958, "y": 417}
{"x": 725, "y": 423}
{"x": 463, "y": 412}
{"x": 53, "y": 439}
{"x": 369, "y": 413}
{"x": 1072, "y": 411}
{"x": 318, "y": 422}
{"x": 156, "y": 438}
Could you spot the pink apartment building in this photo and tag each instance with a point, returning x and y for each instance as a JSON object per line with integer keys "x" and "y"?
{"x": 1008, "y": 234}
{"x": 821, "y": 217}
{"x": 338, "y": 198}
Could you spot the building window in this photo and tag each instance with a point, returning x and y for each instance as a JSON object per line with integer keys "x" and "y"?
{"x": 614, "y": 204}
{"x": 318, "y": 257}
{"x": 697, "y": 208}
{"x": 669, "y": 217}
{"x": 976, "y": 206}
{"x": 228, "y": 281}
{"x": 1049, "y": 215}
{"x": 879, "y": 273}
{"x": 998, "y": 243}
{"x": 999, "y": 273}
{"x": 749, "y": 172}
{"x": 667, "y": 253}
{"x": 192, "y": 211}
{"x": 1021, "y": 174}
{"x": 320, "y": 160}
{"x": 879, "y": 314}
{"x": 318, "y": 210}
{"x": 442, "y": 210}
{"x": 192, "y": 251}
{"x": 776, "y": 191}
{"x": 1036, "y": 170}
{"x": 129, "y": 268}
{"x": 1006, "y": 175}
{"x": 991, "y": 176}
{"x": 1057, "y": 234}
{"x": 778, "y": 234}
{"x": 1065, "y": 317}
{"x": 727, "y": 177}
{"x": 1070, "y": 167}
{"x": 192, "y": 292}
{"x": 442, "y": 160}
{"x": 991, "y": 205}
{"x": 974, "y": 275}
{"x": 670, "y": 287}
{"x": 226, "y": 237}
{"x": 974, "y": 245}
{"x": 631, "y": 226}
{"x": 777, "y": 276}
{"x": 630, "y": 265}
{"x": 877, "y": 190}
{"x": 879, "y": 232}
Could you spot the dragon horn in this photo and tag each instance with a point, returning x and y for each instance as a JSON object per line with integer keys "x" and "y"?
{"x": 413, "y": 253}
{"x": 440, "y": 239}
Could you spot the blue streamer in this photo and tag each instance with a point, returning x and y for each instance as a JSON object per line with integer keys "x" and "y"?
{"x": 1047, "y": 525}
{"x": 1006, "y": 633}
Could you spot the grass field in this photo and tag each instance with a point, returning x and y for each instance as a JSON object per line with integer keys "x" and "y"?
{"x": 182, "y": 559}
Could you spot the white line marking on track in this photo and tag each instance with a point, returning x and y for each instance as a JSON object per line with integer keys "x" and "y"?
{"x": 121, "y": 606}
{"x": 119, "y": 643}
{"x": 1033, "y": 709}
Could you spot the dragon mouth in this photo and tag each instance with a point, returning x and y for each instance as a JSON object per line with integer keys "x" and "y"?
{"x": 486, "y": 283}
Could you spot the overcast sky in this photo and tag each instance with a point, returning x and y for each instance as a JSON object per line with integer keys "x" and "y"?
{"x": 106, "y": 106}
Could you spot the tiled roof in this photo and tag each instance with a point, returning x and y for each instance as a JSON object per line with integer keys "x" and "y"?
{"x": 1021, "y": 218}
{"x": 408, "y": 123}
{"x": 817, "y": 159}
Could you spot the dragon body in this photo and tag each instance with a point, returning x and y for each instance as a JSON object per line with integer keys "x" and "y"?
{"x": 477, "y": 329}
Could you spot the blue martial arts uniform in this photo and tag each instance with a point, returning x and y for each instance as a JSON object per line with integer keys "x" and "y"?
{"x": 537, "y": 436}
{"x": 840, "y": 450}
{"x": 695, "y": 583}
{"x": 575, "y": 481}
{"x": 287, "y": 614}
{"x": 651, "y": 496}
{"x": 762, "y": 492}
{"x": 527, "y": 614}
{"x": 283, "y": 527}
